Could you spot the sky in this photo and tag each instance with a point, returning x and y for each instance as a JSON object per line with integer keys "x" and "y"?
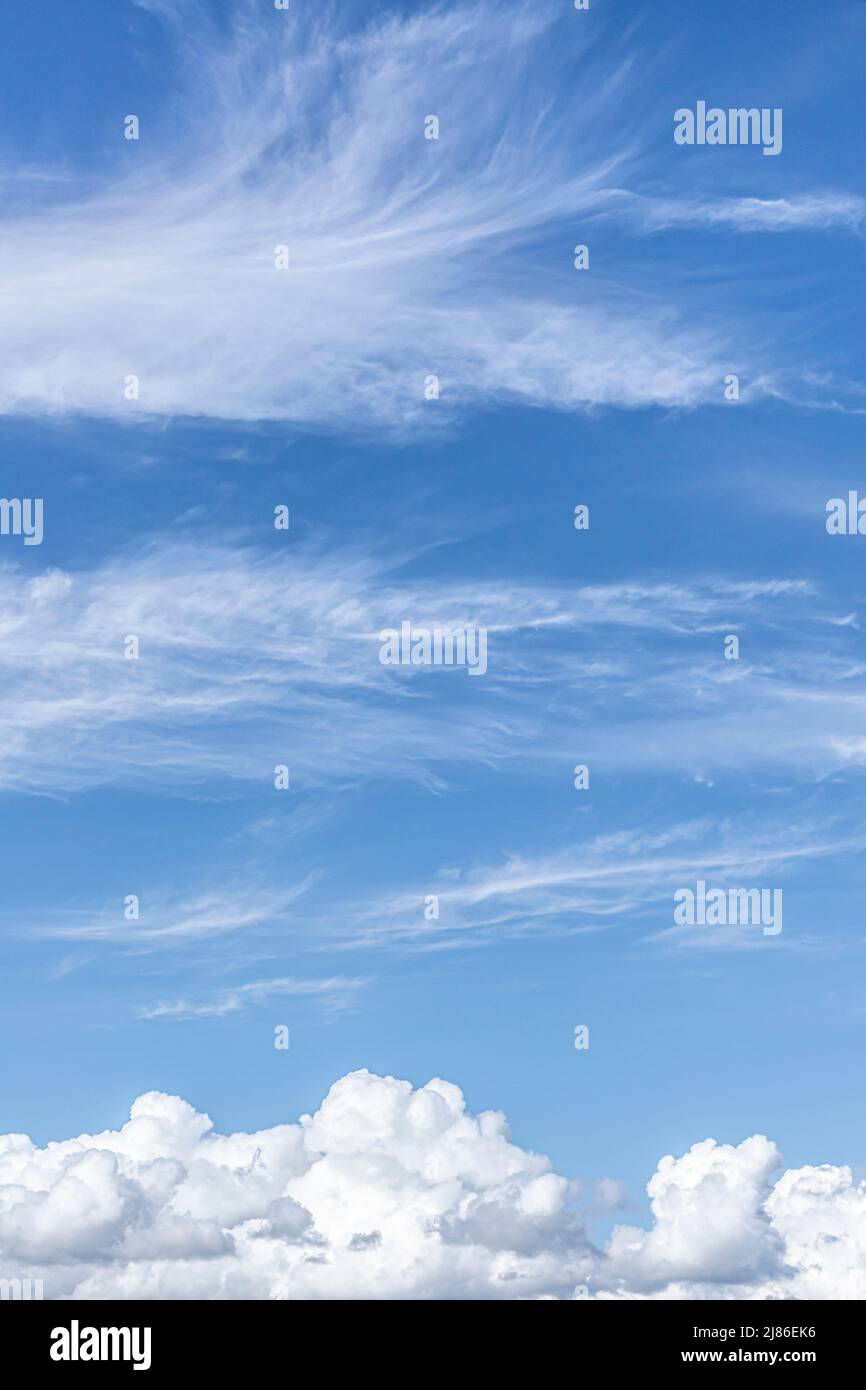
{"x": 154, "y": 261}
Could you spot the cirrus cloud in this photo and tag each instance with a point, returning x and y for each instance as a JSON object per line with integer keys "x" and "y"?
{"x": 406, "y": 256}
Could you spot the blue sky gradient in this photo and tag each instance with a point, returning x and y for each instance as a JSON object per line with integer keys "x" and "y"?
{"x": 261, "y": 647}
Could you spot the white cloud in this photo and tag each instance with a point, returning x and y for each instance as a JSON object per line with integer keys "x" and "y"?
{"x": 392, "y": 1192}
{"x": 810, "y": 211}
{"x": 250, "y": 658}
{"x": 162, "y": 923}
{"x": 407, "y": 256}
{"x": 625, "y": 880}
{"x": 336, "y": 992}
{"x": 709, "y": 1223}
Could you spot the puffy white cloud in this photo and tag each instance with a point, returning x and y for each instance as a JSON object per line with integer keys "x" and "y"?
{"x": 709, "y": 1222}
{"x": 385, "y": 1189}
{"x": 723, "y": 1229}
{"x": 388, "y": 1191}
{"x": 820, "y": 1214}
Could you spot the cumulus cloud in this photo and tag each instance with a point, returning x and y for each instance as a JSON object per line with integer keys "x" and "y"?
{"x": 394, "y": 1192}
{"x": 709, "y": 1223}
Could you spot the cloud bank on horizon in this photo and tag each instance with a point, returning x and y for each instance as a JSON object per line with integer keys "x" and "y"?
{"x": 390, "y": 1192}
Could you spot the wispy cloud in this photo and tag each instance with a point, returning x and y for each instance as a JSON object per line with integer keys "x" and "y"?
{"x": 249, "y": 659}
{"x": 623, "y": 881}
{"x": 337, "y": 994}
{"x": 182, "y": 922}
{"x": 407, "y": 257}
{"x": 821, "y": 211}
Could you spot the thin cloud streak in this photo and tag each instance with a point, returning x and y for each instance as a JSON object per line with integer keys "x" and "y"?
{"x": 808, "y": 212}
{"x": 337, "y": 994}
{"x": 180, "y": 923}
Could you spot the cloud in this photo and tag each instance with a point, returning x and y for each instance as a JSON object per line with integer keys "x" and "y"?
{"x": 181, "y": 922}
{"x": 709, "y": 1223}
{"x": 809, "y": 211}
{"x": 625, "y": 880}
{"x": 251, "y": 658}
{"x": 610, "y": 1195}
{"x": 407, "y": 257}
{"x": 392, "y": 1192}
{"x": 723, "y": 1228}
{"x": 337, "y": 994}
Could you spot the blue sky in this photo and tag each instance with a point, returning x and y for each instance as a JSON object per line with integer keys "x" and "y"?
{"x": 259, "y": 647}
